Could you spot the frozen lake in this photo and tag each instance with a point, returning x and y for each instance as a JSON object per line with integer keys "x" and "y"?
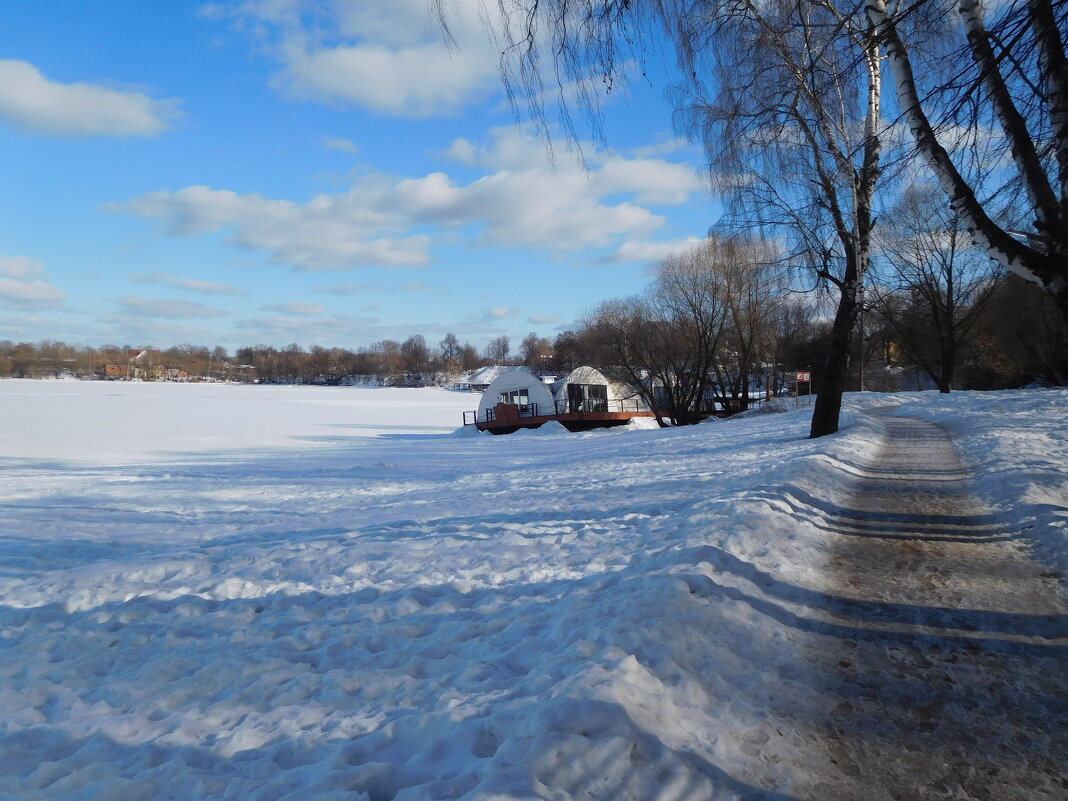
{"x": 121, "y": 421}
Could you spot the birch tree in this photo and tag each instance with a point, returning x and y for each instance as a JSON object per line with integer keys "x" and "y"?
{"x": 786, "y": 96}
{"x": 1019, "y": 70}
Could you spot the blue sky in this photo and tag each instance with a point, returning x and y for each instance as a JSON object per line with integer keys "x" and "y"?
{"x": 325, "y": 173}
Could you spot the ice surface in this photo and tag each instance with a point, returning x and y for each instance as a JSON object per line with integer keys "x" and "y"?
{"x": 228, "y": 592}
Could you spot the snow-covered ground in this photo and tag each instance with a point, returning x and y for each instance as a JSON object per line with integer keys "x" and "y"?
{"x": 238, "y": 592}
{"x": 118, "y": 422}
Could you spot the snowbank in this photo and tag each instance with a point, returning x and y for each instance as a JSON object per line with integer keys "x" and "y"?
{"x": 410, "y": 616}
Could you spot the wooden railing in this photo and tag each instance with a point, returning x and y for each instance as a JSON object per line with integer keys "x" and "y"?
{"x": 557, "y": 409}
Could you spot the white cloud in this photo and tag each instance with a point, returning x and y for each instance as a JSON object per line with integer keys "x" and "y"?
{"x": 654, "y": 181}
{"x": 144, "y": 330}
{"x": 500, "y": 313}
{"x": 20, "y": 267}
{"x": 328, "y": 232}
{"x": 535, "y": 208}
{"x": 463, "y": 151}
{"x": 348, "y": 288}
{"x": 416, "y": 81}
{"x": 648, "y": 252}
{"x": 31, "y": 102}
{"x": 167, "y": 309}
{"x": 511, "y": 148}
{"x": 544, "y": 319}
{"x": 419, "y": 286}
{"x": 522, "y": 203}
{"x": 665, "y": 148}
{"x": 296, "y": 307}
{"x": 338, "y": 143}
{"x": 389, "y": 56}
{"x": 23, "y": 284}
{"x": 331, "y": 330}
{"x": 188, "y": 284}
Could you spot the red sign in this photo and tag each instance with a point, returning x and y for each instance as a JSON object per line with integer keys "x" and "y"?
{"x": 803, "y": 376}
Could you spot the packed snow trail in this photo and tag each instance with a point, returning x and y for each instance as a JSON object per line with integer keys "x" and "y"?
{"x": 952, "y": 642}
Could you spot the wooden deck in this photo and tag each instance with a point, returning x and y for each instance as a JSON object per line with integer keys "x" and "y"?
{"x": 507, "y": 418}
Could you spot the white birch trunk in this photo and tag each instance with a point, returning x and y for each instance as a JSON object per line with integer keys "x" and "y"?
{"x": 1011, "y": 254}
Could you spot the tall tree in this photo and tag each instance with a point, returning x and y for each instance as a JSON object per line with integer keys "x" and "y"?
{"x": 536, "y": 351}
{"x": 677, "y": 342}
{"x": 786, "y": 93}
{"x": 787, "y": 98}
{"x": 450, "y": 350}
{"x": 498, "y": 348}
{"x": 753, "y": 292}
{"x": 937, "y": 283}
{"x": 415, "y": 354}
{"x": 1013, "y": 77}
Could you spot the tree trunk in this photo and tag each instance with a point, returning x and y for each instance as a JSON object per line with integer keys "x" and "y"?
{"x": 948, "y": 363}
{"x": 1060, "y": 297}
{"x": 1042, "y": 265}
{"x": 833, "y": 379}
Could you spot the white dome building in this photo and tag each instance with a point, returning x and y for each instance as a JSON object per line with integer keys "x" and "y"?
{"x": 585, "y": 389}
{"x": 581, "y": 400}
{"x": 516, "y": 388}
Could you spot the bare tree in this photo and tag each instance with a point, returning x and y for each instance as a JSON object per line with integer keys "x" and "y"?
{"x": 665, "y": 357}
{"x": 450, "y": 351}
{"x": 498, "y": 348}
{"x": 786, "y": 95}
{"x": 1011, "y": 74}
{"x": 753, "y": 291}
{"x": 569, "y": 351}
{"x": 415, "y": 354}
{"x": 693, "y": 338}
{"x": 790, "y": 116}
{"x": 535, "y": 350}
{"x": 469, "y": 358}
{"x": 937, "y": 283}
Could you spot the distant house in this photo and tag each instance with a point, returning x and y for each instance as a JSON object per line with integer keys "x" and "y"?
{"x": 139, "y": 368}
{"x": 581, "y": 400}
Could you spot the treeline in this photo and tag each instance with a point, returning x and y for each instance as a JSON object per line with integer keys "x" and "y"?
{"x": 720, "y": 322}
{"x": 411, "y": 362}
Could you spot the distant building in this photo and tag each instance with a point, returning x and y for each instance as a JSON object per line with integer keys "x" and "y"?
{"x": 138, "y": 368}
{"x": 581, "y": 400}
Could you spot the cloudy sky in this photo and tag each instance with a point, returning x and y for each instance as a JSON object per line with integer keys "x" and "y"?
{"x": 311, "y": 171}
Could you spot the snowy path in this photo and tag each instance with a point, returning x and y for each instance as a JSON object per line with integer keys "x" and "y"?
{"x": 948, "y": 653}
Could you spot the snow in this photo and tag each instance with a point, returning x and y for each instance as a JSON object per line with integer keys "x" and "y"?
{"x": 231, "y": 592}
{"x": 117, "y": 422}
{"x": 1019, "y": 453}
{"x": 487, "y": 375}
